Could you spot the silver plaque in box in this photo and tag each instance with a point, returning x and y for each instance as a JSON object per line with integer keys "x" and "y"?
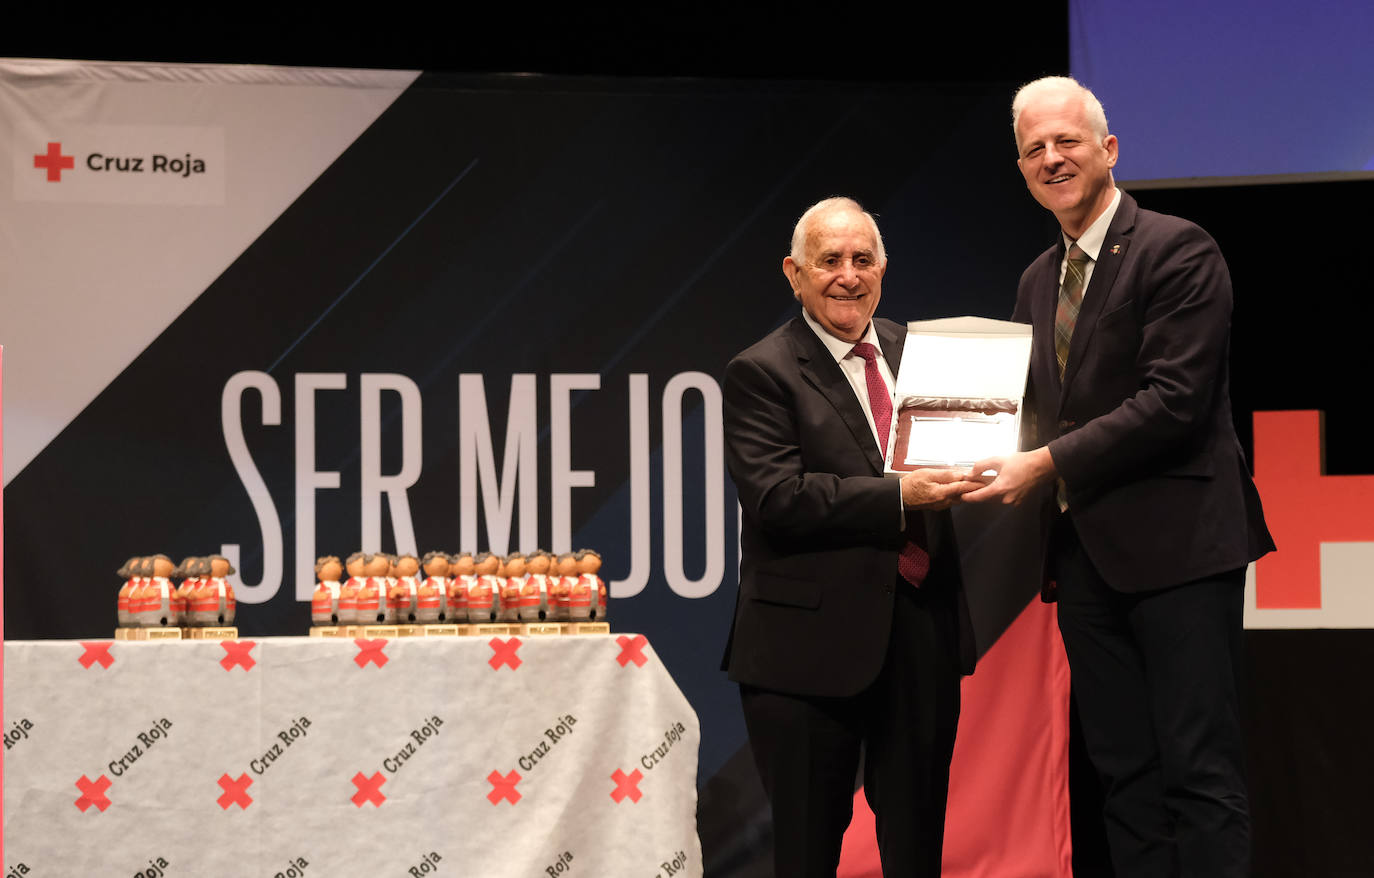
{"x": 959, "y": 393}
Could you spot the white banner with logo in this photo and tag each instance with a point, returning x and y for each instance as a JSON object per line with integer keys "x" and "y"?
{"x": 128, "y": 189}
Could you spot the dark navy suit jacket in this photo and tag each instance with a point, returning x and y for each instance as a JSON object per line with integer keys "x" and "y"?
{"x": 1140, "y": 427}
{"x": 821, "y": 526}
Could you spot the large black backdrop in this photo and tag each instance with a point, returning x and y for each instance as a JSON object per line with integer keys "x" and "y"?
{"x": 1298, "y": 342}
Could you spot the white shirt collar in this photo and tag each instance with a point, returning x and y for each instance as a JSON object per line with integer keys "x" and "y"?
{"x": 838, "y": 347}
{"x": 1090, "y": 242}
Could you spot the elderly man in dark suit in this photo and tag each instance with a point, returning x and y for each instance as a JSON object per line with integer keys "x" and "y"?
{"x": 850, "y": 628}
{"x": 1150, "y": 512}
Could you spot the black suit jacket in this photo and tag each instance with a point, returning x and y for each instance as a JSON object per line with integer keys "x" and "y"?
{"x": 821, "y": 526}
{"x": 1140, "y": 428}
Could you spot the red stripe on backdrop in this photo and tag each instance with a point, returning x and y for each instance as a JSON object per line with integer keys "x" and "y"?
{"x": 1008, "y": 811}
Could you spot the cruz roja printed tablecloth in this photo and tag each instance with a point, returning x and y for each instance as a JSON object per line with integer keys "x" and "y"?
{"x": 313, "y": 758}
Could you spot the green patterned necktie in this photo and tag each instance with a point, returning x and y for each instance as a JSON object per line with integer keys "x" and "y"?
{"x": 1070, "y": 300}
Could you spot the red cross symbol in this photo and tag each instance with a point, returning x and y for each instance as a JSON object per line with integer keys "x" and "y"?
{"x": 503, "y": 653}
{"x": 369, "y": 789}
{"x": 96, "y": 652}
{"x": 54, "y": 161}
{"x": 630, "y": 650}
{"x": 93, "y": 793}
{"x": 504, "y": 787}
{"x": 370, "y": 651}
{"x": 236, "y": 653}
{"x": 235, "y": 791}
{"x": 627, "y": 785}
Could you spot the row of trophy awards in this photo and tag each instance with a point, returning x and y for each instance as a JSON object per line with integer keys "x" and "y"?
{"x": 199, "y": 604}
{"x": 383, "y": 595}
{"x": 456, "y": 594}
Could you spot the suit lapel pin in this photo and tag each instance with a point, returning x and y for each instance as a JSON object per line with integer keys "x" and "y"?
{"x": 1116, "y": 248}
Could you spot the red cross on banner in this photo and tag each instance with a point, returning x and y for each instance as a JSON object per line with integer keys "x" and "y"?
{"x": 503, "y": 787}
{"x": 93, "y": 793}
{"x": 369, "y": 789}
{"x": 235, "y": 791}
{"x": 54, "y": 162}
{"x": 627, "y": 785}
{"x": 236, "y": 652}
{"x": 96, "y": 651}
{"x": 503, "y": 653}
{"x": 631, "y": 650}
{"x": 370, "y": 651}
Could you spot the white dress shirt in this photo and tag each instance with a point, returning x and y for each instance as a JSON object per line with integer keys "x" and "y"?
{"x": 1090, "y": 242}
{"x": 853, "y": 367}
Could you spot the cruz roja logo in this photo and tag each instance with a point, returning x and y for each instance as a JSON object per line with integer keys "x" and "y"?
{"x": 54, "y": 162}
{"x": 134, "y": 164}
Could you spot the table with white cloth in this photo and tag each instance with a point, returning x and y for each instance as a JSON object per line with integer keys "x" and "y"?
{"x": 315, "y": 757}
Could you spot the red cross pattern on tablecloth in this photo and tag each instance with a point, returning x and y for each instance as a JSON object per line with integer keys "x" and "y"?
{"x": 236, "y": 652}
{"x": 503, "y": 787}
{"x": 369, "y": 789}
{"x": 370, "y": 651}
{"x": 93, "y": 793}
{"x": 503, "y": 653}
{"x": 54, "y": 162}
{"x": 235, "y": 791}
{"x": 96, "y": 651}
{"x": 630, "y": 650}
{"x": 627, "y": 785}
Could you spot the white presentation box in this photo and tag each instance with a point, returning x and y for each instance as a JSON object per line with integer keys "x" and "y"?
{"x": 959, "y": 393}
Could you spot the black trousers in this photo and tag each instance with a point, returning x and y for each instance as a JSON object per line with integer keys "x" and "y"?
{"x": 807, "y": 750}
{"x": 1155, "y": 678}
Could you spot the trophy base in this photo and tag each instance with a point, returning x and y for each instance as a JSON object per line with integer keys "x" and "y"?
{"x": 147, "y": 634}
{"x": 589, "y": 627}
{"x": 437, "y": 630}
{"x": 222, "y": 632}
{"x": 484, "y": 629}
{"x": 541, "y": 629}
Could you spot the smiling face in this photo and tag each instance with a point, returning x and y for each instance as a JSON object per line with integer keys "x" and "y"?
{"x": 1067, "y": 166}
{"x": 840, "y": 278}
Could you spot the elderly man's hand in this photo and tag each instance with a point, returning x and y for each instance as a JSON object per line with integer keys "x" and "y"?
{"x": 935, "y": 489}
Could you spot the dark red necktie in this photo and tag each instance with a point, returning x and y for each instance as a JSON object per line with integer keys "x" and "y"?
{"x": 914, "y": 562}
{"x": 879, "y": 400}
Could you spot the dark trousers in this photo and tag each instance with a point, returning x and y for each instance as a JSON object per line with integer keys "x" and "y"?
{"x": 1155, "y": 678}
{"x": 807, "y": 750}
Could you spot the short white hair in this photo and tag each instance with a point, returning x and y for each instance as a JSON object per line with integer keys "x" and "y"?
{"x": 828, "y": 205}
{"x": 1046, "y": 85}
